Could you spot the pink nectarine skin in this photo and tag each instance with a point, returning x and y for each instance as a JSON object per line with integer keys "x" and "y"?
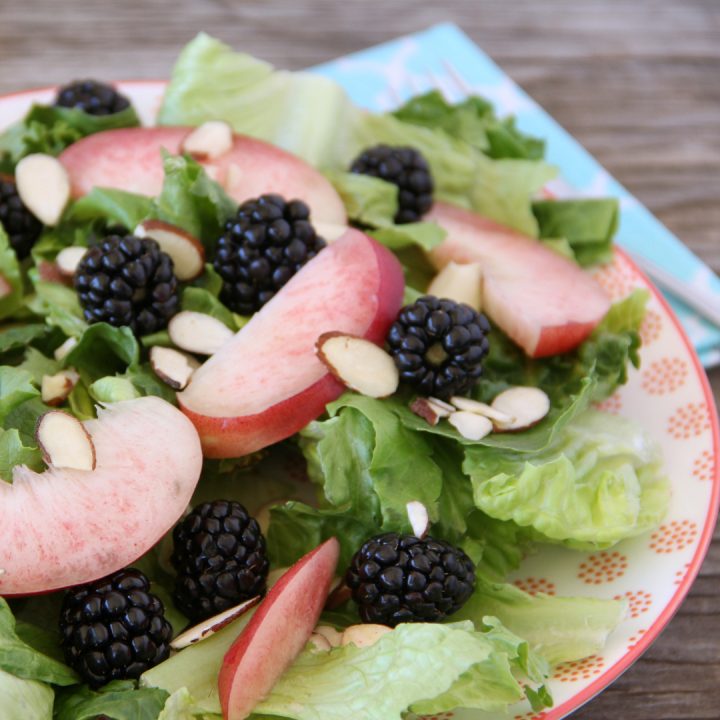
{"x": 267, "y": 382}
{"x": 543, "y": 301}
{"x": 67, "y": 527}
{"x": 130, "y": 159}
{"x": 277, "y": 632}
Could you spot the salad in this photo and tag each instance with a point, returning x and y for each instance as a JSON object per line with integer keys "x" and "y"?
{"x": 287, "y": 391}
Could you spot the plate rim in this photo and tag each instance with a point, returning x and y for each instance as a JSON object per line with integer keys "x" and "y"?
{"x": 604, "y": 680}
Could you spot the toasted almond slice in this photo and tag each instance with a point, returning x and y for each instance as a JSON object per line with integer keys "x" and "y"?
{"x": 333, "y": 636}
{"x": 442, "y": 405}
{"x": 418, "y": 517}
{"x": 55, "y": 389}
{"x": 186, "y": 251}
{"x": 470, "y": 425}
{"x": 209, "y": 140}
{"x": 461, "y": 283}
{"x": 64, "y": 441}
{"x": 44, "y": 187}
{"x": 63, "y": 350}
{"x": 173, "y": 367}
{"x": 429, "y": 412}
{"x": 364, "y": 635}
{"x": 319, "y": 643}
{"x": 209, "y": 627}
{"x": 69, "y": 258}
{"x": 480, "y": 408}
{"x": 329, "y": 231}
{"x": 359, "y": 364}
{"x": 198, "y": 333}
{"x": 527, "y": 406}
{"x": 5, "y": 287}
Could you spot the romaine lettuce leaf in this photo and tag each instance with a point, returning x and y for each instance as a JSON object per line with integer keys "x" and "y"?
{"x": 419, "y": 665}
{"x": 10, "y": 273}
{"x": 114, "y": 206}
{"x": 588, "y": 225}
{"x": 474, "y": 121}
{"x": 16, "y": 386}
{"x": 49, "y": 129}
{"x": 560, "y": 629}
{"x": 14, "y": 452}
{"x": 599, "y": 482}
{"x": 59, "y": 305}
{"x": 24, "y": 699}
{"x": 119, "y": 700}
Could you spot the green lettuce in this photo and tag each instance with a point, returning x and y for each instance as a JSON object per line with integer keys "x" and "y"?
{"x": 119, "y": 700}
{"x": 426, "y": 667}
{"x": 60, "y": 307}
{"x": 49, "y": 129}
{"x": 113, "y": 206}
{"x": 13, "y": 451}
{"x": 10, "y": 273}
{"x": 23, "y": 699}
{"x": 474, "y": 121}
{"x": 599, "y": 482}
{"x": 560, "y": 629}
{"x": 588, "y": 225}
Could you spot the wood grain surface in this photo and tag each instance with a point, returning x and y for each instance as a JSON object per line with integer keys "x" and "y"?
{"x": 638, "y": 83}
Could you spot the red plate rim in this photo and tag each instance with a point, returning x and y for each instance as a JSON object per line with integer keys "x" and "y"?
{"x": 609, "y": 676}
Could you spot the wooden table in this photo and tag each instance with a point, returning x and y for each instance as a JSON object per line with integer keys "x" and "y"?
{"x": 638, "y": 83}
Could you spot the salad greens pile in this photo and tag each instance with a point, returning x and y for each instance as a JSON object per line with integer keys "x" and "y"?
{"x": 580, "y": 478}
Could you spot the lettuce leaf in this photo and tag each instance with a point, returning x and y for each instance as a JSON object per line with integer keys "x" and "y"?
{"x": 588, "y": 225}
{"x": 560, "y": 629}
{"x": 16, "y": 386}
{"x": 49, "y": 129}
{"x": 23, "y": 699}
{"x": 427, "y": 667}
{"x": 474, "y": 121}
{"x": 119, "y": 700}
{"x": 114, "y": 206}
{"x": 60, "y": 307}
{"x": 10, "y": 272}
{"x": 599, "y": 482}
{"x": 14, "y": 452}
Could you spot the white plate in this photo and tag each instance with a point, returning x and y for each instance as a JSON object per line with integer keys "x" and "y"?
{"x": 670, "y": 396}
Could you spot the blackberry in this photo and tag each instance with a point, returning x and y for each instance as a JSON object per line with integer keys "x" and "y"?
{"x": 220, "y": 559}
{"x": 439, "y": 345}
{"x": 21, "y": 226}
{"x": 404, "y": 167}
{"x": 400, "y": 578}
{"x": 92, "y": 97}
{"x": 114, "y": 628}
{"x": 268, "y": 241}
{"x": 125, "y": 280}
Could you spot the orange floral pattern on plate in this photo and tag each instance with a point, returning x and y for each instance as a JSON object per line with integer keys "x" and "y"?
{"x": 612, "y": 405}
{"x": 580, "y": 669}
{"x": 633, "y": 640}
{"x": 674, "y": 536}
{"x": 639, "y": 602}
{"x": 689, "y": 421}
{"x": 603, "y": 568}
{"x": 533, "y": 586}
{"x": 616, "y": 279}
{"x": 651, "y": 328}
{"x": 703, "y": 466}
{"x": 665, "y": 376}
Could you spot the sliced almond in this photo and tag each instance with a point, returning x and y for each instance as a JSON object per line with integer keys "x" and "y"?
{"x": 364, "y": 635}
{"x": 209, "y": 627}
{"x": 359, "y": 364}
{"x": 470, "y": 425}
{"x": 527, "y": 406}
{"x": 69, "y": 258}
{"x": 442, "y": 405}
{"x": 5, "y": 287}
{"x": 63, "y": 350}
{"x": 320, "y": 643}
{"x": 186, "y": 251}
{"x": 55, "y": 389}
{"x": 338, "y": 596}
{"x": 333, "y": 636}
{"x": 329, "y": 231}
{"x": 481, "y": 408}
{"x": 198, "y": 333}
{"x": 173, "y": 367}
{"x": 209, "y": 140}
{"x": 461, "y": 283}
{"x": 64, "y": 441}
{"x": 418, "y": 517}
{"x": 44, "y": 187}
{"x": 423, "y": 408}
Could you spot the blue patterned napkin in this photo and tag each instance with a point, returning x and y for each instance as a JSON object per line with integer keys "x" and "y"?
{"x": 382, "y": 77}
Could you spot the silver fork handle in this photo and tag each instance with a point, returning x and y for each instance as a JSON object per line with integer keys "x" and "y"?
{"x": 699, "y": 299}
